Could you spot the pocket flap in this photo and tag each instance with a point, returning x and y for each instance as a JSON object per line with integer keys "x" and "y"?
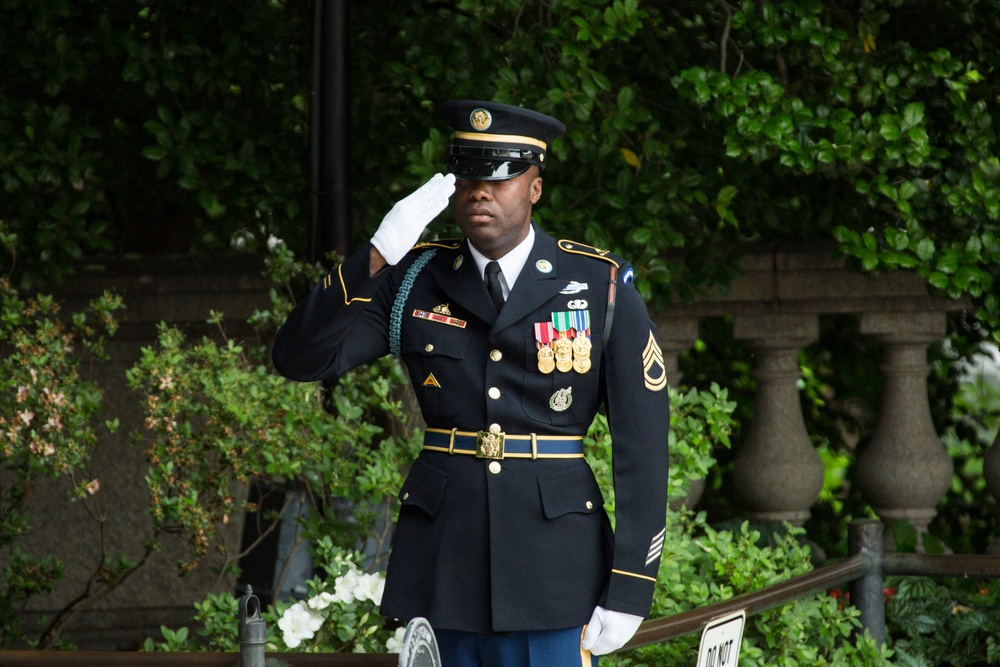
{"x": 434, "y": 340}
{"x": 571, "y": 490}
{"x": 424, "y": 487}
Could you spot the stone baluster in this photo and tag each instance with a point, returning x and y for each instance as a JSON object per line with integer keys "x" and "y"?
{"x": 905, "y": 471}
{"x": 777, "y": 473}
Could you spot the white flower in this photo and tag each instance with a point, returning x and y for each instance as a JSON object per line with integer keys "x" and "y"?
{"x": 322, "y": 601}
{"x": 345, "y": 586}
{"x": 370, "y": 587}
{"x": 273, "y": 242}
{"x": 394, "y": 644}
{"x": 299, "y": 623}
{"x": 354, "y": 586}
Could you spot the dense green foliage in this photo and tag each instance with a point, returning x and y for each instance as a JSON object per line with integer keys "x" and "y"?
{"x": 149, "y": 126}
{"x": 693, "y": 127}
{"x": 938, "y": 624}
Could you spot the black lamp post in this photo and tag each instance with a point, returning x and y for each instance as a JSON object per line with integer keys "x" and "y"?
{"x": 329, "y": 118}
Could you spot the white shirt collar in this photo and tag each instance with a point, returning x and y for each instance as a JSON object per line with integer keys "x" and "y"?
{"x": 510, "y": 264}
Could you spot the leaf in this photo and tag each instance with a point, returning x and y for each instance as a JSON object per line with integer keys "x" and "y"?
{"x": 630, "y": 157}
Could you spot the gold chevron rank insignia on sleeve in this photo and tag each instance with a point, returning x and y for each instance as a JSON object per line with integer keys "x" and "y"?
{"x": 654, "y": 372}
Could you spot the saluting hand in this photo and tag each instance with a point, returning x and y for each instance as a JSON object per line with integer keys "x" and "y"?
{"x": 401, "y": 227}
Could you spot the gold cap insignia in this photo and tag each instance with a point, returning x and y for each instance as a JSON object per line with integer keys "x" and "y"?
{"x": 480, "y": 119}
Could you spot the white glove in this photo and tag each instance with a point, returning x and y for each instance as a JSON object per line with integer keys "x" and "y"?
{"x": 401, "y": 227}
{"x": 609, "y": 630}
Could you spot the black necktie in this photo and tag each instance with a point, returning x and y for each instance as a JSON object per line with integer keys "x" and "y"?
{"x": 493, "y": 284}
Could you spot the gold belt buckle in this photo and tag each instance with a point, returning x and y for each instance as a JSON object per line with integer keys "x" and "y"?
{"x": 489, "y": 444}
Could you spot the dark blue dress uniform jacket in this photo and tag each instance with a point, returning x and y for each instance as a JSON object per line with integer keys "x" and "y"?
{"x": 526, "y": 544}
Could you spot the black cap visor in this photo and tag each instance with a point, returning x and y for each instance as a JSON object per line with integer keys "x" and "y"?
{"x": 486, "y": 170}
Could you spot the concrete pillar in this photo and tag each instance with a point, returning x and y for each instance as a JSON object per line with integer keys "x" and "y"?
{"x": 905, "y": 471}
{"x": 777, "y": 473}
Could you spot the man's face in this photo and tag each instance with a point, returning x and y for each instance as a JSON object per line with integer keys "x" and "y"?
{"x": 496, "y": 215}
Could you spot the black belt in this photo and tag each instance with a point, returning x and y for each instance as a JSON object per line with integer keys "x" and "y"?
{"x": 496, "y": 445}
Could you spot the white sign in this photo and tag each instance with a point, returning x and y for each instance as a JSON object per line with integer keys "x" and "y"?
{"x": 720, "y": 641}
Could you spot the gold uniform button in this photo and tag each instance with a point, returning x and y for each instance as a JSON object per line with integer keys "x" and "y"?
{"x": 590, "y": 505}
{"x": 494, "y": 428}
{"x": 405, "y": 496}
{"x": 428, "y": 348}
{"x": 495, "y": 467}
{"x": 496, "y": 355}
{"x": 494, "y": 393}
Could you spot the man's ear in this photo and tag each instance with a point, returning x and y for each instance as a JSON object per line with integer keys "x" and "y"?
{"x": 536, "y": 189}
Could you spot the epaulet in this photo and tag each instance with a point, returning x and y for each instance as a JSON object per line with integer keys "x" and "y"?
{"x": 590, "y": 251}
{"x": 449, "y": 244}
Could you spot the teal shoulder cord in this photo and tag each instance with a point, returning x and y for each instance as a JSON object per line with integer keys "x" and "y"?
{"x": 396, "y": 316}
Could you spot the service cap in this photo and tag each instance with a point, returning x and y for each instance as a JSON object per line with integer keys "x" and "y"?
{"x": 494, "y": 142}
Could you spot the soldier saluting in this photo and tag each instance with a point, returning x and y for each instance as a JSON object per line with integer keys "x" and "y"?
{"x": 513, "y": 340}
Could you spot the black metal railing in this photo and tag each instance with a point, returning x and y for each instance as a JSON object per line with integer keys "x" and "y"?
{"x": 865, "y": 569}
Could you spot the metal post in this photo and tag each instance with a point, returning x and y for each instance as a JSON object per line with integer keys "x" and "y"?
{"x": 864, "y": 537}
{"x": 252, "y": 632}
{"x": 329, "y": 137}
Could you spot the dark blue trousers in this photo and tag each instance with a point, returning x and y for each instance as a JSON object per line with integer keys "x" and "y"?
{"x": 546, "y": 648}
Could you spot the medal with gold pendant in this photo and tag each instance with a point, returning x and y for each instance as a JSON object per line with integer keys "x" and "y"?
{"x": 564, "y": 354}
{"x": 581, "y": 343}
{"x": 562, "y": 322}
{"x": 545, "y": 355}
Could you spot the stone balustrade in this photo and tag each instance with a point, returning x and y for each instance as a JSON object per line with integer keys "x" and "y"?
{"x": 775, "y": 307}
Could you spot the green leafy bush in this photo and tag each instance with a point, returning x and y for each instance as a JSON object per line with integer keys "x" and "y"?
{"x": 48, "y": 431}
{"x": 946, "y": 622}
{"x": 217, "y": 417}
